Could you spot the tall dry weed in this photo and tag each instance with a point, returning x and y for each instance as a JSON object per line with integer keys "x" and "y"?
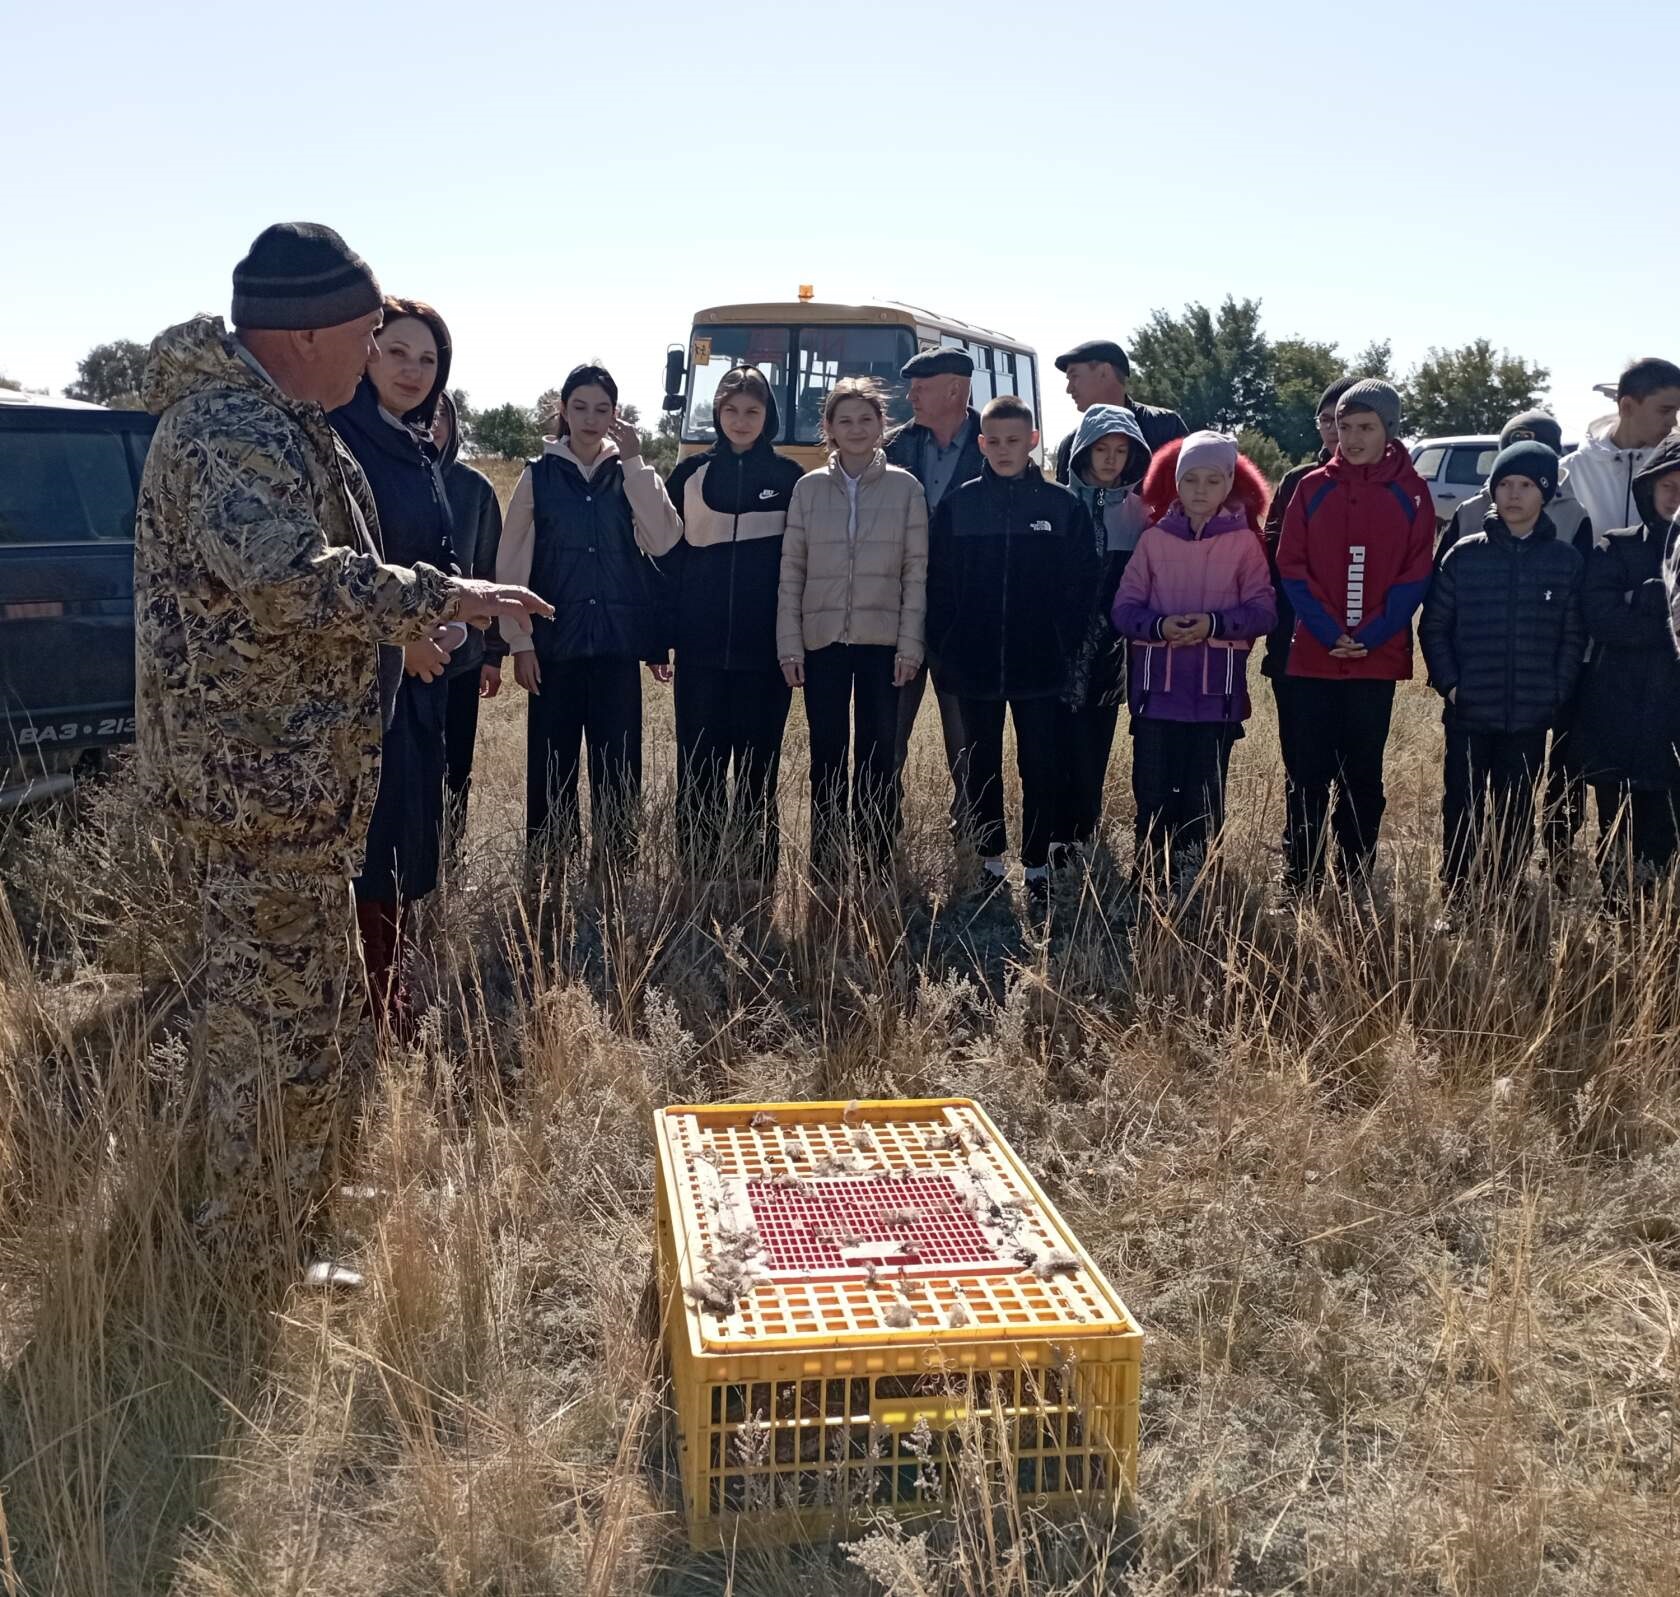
{"x": 1398, "y": 1205}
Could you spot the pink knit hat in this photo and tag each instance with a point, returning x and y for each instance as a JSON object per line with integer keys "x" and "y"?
{"x": 1207, "y": 448}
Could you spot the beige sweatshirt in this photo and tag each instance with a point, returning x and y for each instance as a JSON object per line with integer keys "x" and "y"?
{"x": 658, "y": 526}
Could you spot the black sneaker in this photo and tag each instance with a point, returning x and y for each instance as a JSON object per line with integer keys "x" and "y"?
{"x": 1038, "y": 897}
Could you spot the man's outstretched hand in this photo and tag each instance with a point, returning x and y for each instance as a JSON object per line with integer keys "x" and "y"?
{"x": 484, "y": 602}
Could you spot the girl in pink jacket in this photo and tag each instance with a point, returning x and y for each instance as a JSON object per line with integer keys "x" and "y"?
{"x": 1194, "y": 597}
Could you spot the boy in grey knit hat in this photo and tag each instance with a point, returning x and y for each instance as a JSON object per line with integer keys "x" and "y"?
{"x": 1373, "y": 396}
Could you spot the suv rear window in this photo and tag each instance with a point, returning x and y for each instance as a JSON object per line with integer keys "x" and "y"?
{"x": 1468, "y": 466}
{"x": 1428, "y": 462}
{"x": 65, "y": 487}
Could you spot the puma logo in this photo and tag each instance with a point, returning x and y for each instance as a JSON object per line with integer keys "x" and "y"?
{"x": 1356, "y": 585}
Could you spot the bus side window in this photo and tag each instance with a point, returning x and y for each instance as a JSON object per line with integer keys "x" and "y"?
{"x": 1027, "y": 379}
{"x": 981, "y": 391}
{"x": 1003, "y": 370}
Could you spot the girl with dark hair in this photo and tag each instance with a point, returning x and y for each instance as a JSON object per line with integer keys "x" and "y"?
{"x": 583, "y": 528}
{"x": 383, "y": 425}
{"x": 731, "y": 697}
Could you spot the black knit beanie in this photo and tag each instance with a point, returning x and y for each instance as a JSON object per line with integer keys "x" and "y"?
{"x": 1327, "y": 400}
{"x": 1536, "y": 424}
{"x": 300, "y": 275}
{"x": 1531, "y": 459}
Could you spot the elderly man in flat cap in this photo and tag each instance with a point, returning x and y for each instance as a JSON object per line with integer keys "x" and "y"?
{"x": 940, "y": 447}
{"x": 264, "y": 617}
{"x": 1097, "y": 374}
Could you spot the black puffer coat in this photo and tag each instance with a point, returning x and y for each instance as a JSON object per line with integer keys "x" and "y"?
{"x": 1502, "y": 625}
{"x": 725, "y": 574}
{"x": 1012, "y": 562}
{"x": 1629, "y": 718}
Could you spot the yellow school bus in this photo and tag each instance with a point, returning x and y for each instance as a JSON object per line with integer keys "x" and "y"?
{"x": 804, "y": 348}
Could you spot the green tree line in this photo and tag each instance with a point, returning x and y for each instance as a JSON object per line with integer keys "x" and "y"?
{"x": 1217, "y": 368}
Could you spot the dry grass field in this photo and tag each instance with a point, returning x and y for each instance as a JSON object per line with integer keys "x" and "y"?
{"x": 1398, "y": 1209}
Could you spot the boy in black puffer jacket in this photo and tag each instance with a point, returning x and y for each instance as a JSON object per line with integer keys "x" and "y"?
{"x": 1503, "y": 636}
{"x": 1011, "y": 564}
{"x": 1629, "y": 722}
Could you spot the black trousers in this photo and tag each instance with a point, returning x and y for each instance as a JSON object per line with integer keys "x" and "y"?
{"x": 1087, "y": 740}
{"x": 950, "y": 727}
{"x": 1038, "y": 725}
{"x": 851, "y": 706}
{"x": 1178, "y": 780}
{"x": 1487, "y": 812}
{"x": 1566, "y": 791}
{"x": 460, "y": 735}
{"x": 597, "y": 703}
{"x": 1637, "y": 832}
{"x": 729, "y": 723}
{"x": 1338, "y": 737}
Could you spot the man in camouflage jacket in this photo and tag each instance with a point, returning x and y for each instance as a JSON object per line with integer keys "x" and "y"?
{"x": 260, "y": 605}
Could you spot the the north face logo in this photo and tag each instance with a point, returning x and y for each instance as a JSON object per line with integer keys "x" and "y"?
{"x": 1041, "y": 526}
{"x": 766, "y": 493}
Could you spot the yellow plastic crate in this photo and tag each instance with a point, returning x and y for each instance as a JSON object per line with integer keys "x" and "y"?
{"x": 853, "y": 1294}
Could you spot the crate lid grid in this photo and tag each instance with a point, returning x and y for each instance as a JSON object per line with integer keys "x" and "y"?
{"x": 743, "y": 1171}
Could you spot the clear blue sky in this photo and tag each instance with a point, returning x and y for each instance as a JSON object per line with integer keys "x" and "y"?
{"x": 567, "y": 182}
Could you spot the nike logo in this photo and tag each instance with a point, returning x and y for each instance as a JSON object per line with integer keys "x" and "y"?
{"x": 766, "y": 493}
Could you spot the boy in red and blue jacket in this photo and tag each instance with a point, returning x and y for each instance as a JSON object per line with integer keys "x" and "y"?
{"x": 1354, "y": 560}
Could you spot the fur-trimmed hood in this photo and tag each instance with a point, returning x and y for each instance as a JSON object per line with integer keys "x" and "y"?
{"x": 1160, "y": 486}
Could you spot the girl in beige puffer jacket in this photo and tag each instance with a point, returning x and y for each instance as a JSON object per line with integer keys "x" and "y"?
{"x": 849, "y": 621}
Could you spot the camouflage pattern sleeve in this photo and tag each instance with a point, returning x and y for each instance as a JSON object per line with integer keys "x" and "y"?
{"x": 259, "y": 531}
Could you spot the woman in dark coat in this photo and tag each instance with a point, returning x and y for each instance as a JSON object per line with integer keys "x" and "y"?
{"x": 384, "y": 427}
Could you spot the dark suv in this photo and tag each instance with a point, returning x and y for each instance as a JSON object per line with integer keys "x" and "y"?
{"x": 68, "y": 478}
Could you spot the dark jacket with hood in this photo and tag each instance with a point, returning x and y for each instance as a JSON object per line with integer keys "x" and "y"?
{"x": 1159, "y": 427}
{"x": 1276, "y": 662}
{"x": 1629, "y": 718}
{"x": 1012, "y": 565}
{"x": 1118, "y": 517}
{"x": 1502, "y": 625}
{"x": 478, "y": 530}
{"x": 725, "y": 572}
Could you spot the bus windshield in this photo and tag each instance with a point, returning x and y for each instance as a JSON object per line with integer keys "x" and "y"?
{"x": 802, "y": 365}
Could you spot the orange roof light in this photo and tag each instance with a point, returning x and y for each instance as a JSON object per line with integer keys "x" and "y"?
{"x": 806, "y": 293}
